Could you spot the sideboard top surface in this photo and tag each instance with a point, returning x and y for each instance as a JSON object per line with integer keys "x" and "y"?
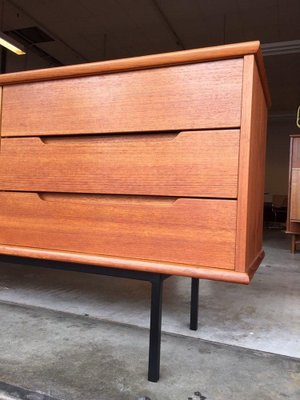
{"x": 149, "y": 61}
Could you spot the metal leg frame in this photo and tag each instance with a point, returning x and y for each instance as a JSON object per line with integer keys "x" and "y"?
{"x": 155, "y": 279}
{"x": 194, "y": 304}
{"x": 155, "y": 329}
{"x": 156, "y": 298}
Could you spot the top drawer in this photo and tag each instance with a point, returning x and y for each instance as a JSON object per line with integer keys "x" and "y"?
{"x": 195, "y": 96}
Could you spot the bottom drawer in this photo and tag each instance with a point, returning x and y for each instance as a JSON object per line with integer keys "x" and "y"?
{"x": 189, "y": 231}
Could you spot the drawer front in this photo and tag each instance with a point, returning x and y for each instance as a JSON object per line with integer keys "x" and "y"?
{"x": 200, "y": 164}
{"x": 295, "y": 195}
{"x": 195, "y": 96}
{"x": 190, "y": 231}
{"x": 296, "y": 152}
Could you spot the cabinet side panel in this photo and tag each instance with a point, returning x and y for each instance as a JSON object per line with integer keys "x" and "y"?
{"x": 291, "y": 225}
{"x": 288, "y": 220}
{"x": 251, "y": 169}
{"x": 295, "y": 195}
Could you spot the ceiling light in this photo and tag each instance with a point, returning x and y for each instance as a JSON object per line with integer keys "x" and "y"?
{"x": 11, "y": 44}
{"x": 279, "y": 48}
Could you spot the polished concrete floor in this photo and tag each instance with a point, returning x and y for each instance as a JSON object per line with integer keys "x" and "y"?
{"x": 75, "y": 336}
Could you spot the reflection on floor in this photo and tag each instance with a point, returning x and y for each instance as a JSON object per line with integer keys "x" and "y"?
{"x": 262, "y": 316}
{"x": 70, "y": 357}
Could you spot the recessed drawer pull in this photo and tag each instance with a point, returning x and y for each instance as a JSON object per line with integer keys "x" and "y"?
{"x": 181, "y": 232}
{"x": 184, "y": 164}
{"x": 107, "y": 199}
{"x": 91, "y": 140}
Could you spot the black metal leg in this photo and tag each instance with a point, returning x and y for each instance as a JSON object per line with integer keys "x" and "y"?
{"x": 155, "y": 329}
{"x": 156, "y": 280}
{"x": 194, "y": 304}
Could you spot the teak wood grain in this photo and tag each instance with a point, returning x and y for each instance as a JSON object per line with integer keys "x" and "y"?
{"x": 251, "y": 168}
{"x": 1, "y": 90}
{"x": 198, "y": 232}
{"x": 293, "y": 227}
{"x": 292, "y": 224}
{"x": 194, "y": 56}
{"x": 295, "y": 195}
{"x": 295, "y": 156}
{"x": 197, "y": 164}
{"x": 122, "y": 155}
{"x": 183, "y": 97}
{"x": 217, "y": 274}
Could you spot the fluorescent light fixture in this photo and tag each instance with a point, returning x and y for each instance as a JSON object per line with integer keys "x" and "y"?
{"x": 11, "y": 44}
{"x": 280, "y": 48}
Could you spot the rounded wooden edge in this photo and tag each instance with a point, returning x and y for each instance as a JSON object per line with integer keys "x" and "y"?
{"x": 135, "y": 63}
{"x": 255, "y": 264}
{"x": 263, "y": 76}
{"x": 131, "y": 264}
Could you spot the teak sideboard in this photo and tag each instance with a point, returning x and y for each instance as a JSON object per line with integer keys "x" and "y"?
{"x": 152, "y": 164}
{"x": 293, "y": 216}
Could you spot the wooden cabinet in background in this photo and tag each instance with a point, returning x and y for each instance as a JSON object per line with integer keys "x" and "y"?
{"x": 293, "y": 218}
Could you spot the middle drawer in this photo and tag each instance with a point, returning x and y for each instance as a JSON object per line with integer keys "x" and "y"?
{"x": 194, "y": 164}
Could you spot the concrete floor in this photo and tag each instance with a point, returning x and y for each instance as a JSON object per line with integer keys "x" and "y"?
{"x": 75, "y": 336}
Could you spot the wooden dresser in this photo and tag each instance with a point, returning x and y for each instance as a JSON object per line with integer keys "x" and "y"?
{"x": 293, "y": 217}
{"x": 152, "y": 163}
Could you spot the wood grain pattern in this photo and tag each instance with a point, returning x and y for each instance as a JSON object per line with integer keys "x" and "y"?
{"x": 146, "y": 218}
{"x": 263, "y": 75}
{"x": 1, "y": 91}
{"x": 295, "y": 195}
{"x": 295, "y": 152}
{"x": 189, "y": 231}
{"x": 293, "y": 227}
{"x": 195, "y": 96}
{"x": 198, "y": 164}
{"x": 134, "y": 63}
{"x": 290, "y": 225}
{"x": 251, "y": 169}
{"x": 216, "y": 274}
{"x": 295, "y": 242}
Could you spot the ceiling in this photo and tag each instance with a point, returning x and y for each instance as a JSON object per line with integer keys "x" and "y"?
{"x": 92, "y": 30}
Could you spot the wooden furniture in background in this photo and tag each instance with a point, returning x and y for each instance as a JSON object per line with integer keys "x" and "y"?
{"x": 293, "y": 218}
{"x": 279, "y": 209}
{"x": 152, "y": 164}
